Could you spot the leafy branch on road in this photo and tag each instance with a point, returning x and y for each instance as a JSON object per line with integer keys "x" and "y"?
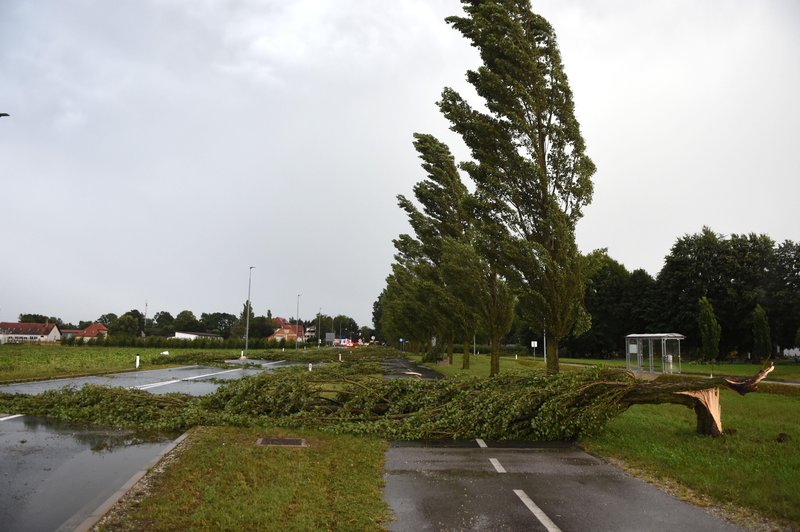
{"x": 353, "y": 397}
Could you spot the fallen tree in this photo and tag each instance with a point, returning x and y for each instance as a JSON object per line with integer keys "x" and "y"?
{"x": 701, "y": 395}
{"x": 356, "y": 398}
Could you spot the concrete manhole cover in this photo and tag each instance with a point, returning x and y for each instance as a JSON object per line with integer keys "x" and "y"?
{"x": 282, "y": 442}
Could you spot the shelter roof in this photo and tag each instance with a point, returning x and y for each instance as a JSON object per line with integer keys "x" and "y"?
{"x": 656, "y": 336}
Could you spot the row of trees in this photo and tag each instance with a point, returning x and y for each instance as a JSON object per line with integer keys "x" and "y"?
{"x": 747, "y": 284}
{"x": 134, "y": 324}
{"x": 509, "y": 246}
{"x": 499, "y": 258}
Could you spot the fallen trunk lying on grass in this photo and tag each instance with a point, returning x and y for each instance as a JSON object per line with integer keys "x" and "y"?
{"x": 355, "y": 398}
{"x": 701, "y": 395}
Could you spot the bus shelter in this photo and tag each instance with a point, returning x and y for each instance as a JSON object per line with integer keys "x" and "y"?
{"x": 661, "y": 352}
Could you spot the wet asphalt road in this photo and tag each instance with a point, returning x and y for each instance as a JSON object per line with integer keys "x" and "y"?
{"x": 462, "y": 486}
{"x": 54, "y": 474}
{"x": 192, "y": 380}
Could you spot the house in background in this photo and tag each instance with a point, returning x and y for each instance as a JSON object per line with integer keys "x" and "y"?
{"x": 287, "y": 331}
{"x": 95, "y": 330}
{"x": 29, "y": 333}
{"x": 196, "y": 336}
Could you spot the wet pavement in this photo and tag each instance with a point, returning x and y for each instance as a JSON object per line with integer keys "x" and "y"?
{"x": 54, "y": 474}
{"x": 192, "y": 380}
{"x": 463, "y": 486}
{"x": 403, "y": 368}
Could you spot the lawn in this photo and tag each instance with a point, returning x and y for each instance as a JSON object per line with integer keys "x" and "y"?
{"x": 479, "y": 365}
{"x": 223, "y": 480}
{"x": 19, "y": 362}
{"x": 750, "y": 467}
{"x": 30, "y": 361}
{"x": 784, "y": 370}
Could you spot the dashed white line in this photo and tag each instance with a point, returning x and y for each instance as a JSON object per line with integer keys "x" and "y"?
{"x": 535, "y": 510}
{"x": 497, "y": 465}
{"x": 11, "y": 417}
{"x": 165, "y": 383}
{"x": 481, "y": 443}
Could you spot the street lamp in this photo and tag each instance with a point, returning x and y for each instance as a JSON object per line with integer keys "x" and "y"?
{"x": 319, "y": 331}
{"x": 247, "y": 310}
{"x": 297, "y": 324}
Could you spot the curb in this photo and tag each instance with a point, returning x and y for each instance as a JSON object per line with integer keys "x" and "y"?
{"x": 103, "y": 509}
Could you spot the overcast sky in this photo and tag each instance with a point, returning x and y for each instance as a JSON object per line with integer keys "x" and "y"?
{"x": 157, "y": 149}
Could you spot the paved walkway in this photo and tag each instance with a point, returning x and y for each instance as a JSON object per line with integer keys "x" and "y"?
{"x": 479, "y": 486}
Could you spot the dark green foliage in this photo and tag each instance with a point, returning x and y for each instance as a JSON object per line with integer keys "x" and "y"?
{"x": 354, "y": 398}
{"x": 762, "y": 343}
{"x": 709, "y": 330}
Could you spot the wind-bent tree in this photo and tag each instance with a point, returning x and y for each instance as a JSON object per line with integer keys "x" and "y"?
{"x": 528, "y": 159}
{"x": 709, "y": 330}
{"x": 762, "y": 341}
{"x": 471, "y": 277}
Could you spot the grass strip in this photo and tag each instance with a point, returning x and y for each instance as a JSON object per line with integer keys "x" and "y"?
{"x": 224, "y": 480}
{"x": 754, "y": 466}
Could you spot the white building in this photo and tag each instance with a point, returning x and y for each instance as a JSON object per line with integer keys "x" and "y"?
{"x": 29, "y": 333}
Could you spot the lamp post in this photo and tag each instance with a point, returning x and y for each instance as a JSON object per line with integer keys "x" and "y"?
{"x": 319, "y": 331}
{"x": 297, "y": 324}
{"x": 247, "y": 310}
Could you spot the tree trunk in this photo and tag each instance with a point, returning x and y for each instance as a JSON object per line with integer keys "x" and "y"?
{"x": 450, "y": 349}
{"x": 701, "y": 395}
{"x": 496, "y": 351}
{"x": 552, "y": 357}
{"x": 465, "y": 356}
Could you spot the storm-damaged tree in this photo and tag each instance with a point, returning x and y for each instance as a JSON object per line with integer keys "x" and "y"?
{"x": 762, "y": 340}
{"x": 444, "y": 216}
{"x": 709, "y": 330}
{"x": 474, "y": 278}
{"x": 528, "y": 159}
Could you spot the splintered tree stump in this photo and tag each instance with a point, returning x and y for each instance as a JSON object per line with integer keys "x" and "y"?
{"x": 708, "y": 411}
{"x": 700, "y": 395}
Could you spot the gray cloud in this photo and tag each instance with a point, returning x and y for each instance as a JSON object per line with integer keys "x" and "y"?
{"x": 157, "y": 149}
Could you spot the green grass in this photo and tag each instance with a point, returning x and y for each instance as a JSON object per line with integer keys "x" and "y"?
{"x": 784, "y": 371}
{"x": 479, "y": 365}
{"x": 26, "y": 361}
{"x": 224, "y": 481}
{"x": 749, "y": 468}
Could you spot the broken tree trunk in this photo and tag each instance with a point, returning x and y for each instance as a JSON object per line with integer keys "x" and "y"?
{"x": 701, "y": 395}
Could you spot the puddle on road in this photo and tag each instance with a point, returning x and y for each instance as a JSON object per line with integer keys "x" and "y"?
{"x": 56, "y": 473}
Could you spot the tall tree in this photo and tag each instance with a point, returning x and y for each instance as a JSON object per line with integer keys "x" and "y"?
{"x": 218, "y": 323}
{"x": 164, "y": 323}
{"x": 762, "y": 341}
{"x": 709, "y": 330}
{"x": 529, "y": 161}
{"x": 783, "y": 300}
{"x": 186, "y": 321}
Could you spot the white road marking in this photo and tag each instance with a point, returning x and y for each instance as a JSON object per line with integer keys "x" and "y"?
{"x": 497, "y": 465}
{"x": 535, "y": 510}
{"x": 11, "y": 417}
{"x": 165, "y": 383}
{"x": 481, "y": 443}
{"x": 155, "y": 384}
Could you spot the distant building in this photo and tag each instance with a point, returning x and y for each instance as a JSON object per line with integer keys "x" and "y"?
{"x": 29, "y": 333}
{"x": 197, "y": 336}
{"x": 95, "y": 330}
{"x": 287, "y": 331}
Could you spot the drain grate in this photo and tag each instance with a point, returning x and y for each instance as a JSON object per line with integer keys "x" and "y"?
{"x": 282, "y": 442}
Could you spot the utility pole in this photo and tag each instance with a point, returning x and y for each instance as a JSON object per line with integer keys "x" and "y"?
{"x": 247, "y": 314}
{"x": 297, "y": 324}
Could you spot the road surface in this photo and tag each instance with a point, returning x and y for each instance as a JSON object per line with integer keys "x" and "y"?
{"x": 479, "y": 486}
